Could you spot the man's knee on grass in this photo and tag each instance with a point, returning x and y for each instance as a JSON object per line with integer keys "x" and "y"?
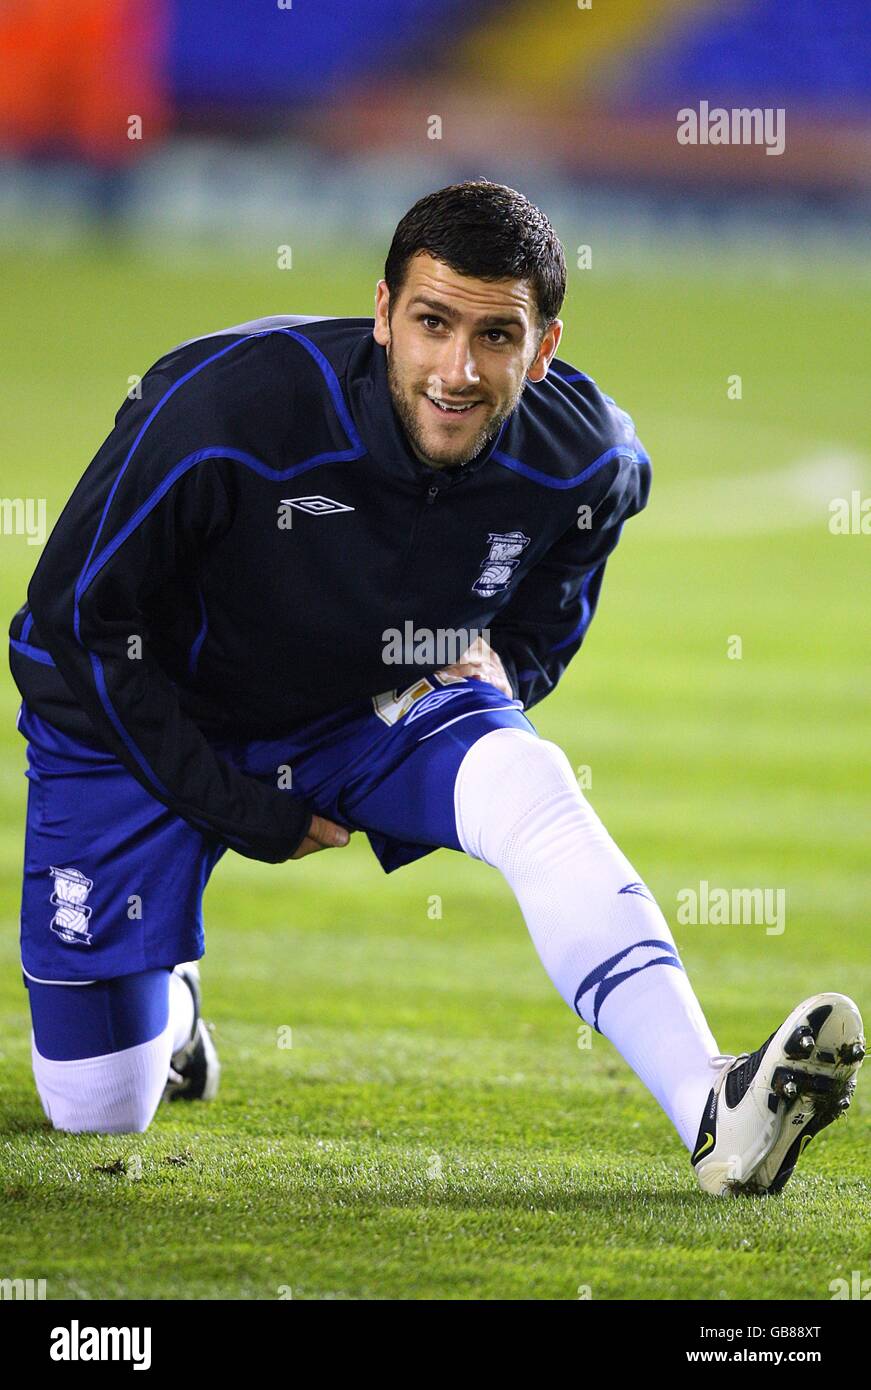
{"x": 114, "y": 1094}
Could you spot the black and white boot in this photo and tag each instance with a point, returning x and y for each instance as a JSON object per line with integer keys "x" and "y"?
{"x": 194, "y": 1070}
{"x": 766, "y": 1106}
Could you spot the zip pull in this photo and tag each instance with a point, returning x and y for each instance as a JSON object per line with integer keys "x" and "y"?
{"x": 432, "y": 493}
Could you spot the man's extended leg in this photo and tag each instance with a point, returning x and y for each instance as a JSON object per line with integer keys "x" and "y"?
{"x": 597, "y": 928}
{"x": 489, "y": 785}
{"x": 610, "y": 953}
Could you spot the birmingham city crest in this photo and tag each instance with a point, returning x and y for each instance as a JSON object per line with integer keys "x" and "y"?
{"x": 70, "y": 922}
{"x": 503, "y": 559}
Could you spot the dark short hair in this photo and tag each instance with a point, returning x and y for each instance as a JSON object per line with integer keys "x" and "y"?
{"x": 487, "y": 231}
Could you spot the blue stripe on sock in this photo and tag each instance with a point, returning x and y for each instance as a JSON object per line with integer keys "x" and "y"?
{"x": 606, "y": 982}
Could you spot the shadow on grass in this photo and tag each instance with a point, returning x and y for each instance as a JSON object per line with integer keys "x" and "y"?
{"x": 550, "y": 1201}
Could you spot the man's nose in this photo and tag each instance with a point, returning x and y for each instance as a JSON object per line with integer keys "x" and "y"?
{"x": 458, "y": 369}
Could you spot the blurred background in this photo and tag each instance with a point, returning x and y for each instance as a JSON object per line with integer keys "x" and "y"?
{"x": 171, "y": 168}
{"x": 211, "y": 119}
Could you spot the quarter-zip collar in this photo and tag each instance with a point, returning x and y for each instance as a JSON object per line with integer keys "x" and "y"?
{"x": 379, "y": 427}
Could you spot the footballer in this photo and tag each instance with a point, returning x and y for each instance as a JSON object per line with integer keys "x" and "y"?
{"x": 202, "y": 661}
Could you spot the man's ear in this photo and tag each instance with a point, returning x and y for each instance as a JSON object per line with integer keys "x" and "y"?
{"x": 546, "y": 351}
{"x": 381, "y": 330}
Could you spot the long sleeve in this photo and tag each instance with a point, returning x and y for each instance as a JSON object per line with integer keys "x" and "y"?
{"x": 543, "y": 625}
{"x": 152, "y": 497}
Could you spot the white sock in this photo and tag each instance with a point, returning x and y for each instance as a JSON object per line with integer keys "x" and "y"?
{"x": 114, "y": 1094}
{"x": 519, "y": 808}
{"x": 181, "y": 1012}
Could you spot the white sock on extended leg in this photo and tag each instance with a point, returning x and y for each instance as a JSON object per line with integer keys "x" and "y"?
{"x": 181, "y": 1012}
{"x": 114, "y": 1094}
{"x": 600, "y": 935}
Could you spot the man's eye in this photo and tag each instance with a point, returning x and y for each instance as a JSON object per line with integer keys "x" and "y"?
{"x": 496, "y": 335}
{"x": 430, "y": 321}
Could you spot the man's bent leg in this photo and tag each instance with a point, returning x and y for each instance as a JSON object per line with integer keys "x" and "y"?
{"x": 109, "y": 1013}
{"x": 101, "y": 1051}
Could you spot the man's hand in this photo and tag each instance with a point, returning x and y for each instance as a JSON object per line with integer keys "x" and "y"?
{"x": 322, "y": 834}
{"x": 481, "y": 662}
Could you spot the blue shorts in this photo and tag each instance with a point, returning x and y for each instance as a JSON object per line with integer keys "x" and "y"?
{"x": 113, "y": 880}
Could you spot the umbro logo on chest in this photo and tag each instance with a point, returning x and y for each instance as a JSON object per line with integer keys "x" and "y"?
{"x": 312, "y": 506}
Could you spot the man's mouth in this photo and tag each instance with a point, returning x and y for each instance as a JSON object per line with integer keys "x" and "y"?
{"x": 451, "y": 407}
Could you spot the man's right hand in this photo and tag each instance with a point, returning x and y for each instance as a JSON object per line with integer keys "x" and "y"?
{"x": 321, "y": 834}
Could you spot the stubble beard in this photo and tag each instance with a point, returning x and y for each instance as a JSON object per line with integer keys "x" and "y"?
{"x": 405, "y": 409}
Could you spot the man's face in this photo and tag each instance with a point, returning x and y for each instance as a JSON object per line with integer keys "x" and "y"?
{"x": 459, "y": 353}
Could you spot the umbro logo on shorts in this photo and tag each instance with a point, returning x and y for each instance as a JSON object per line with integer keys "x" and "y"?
{"x": 316, "y": 506}
{"x": 429, "y": 702}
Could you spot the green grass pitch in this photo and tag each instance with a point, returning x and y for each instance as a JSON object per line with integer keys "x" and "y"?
{"x": 435, "y": 1131}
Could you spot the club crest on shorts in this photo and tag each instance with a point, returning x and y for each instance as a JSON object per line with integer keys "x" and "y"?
{"x": 70, "y": 922}
{"x": 503, "y": 559}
